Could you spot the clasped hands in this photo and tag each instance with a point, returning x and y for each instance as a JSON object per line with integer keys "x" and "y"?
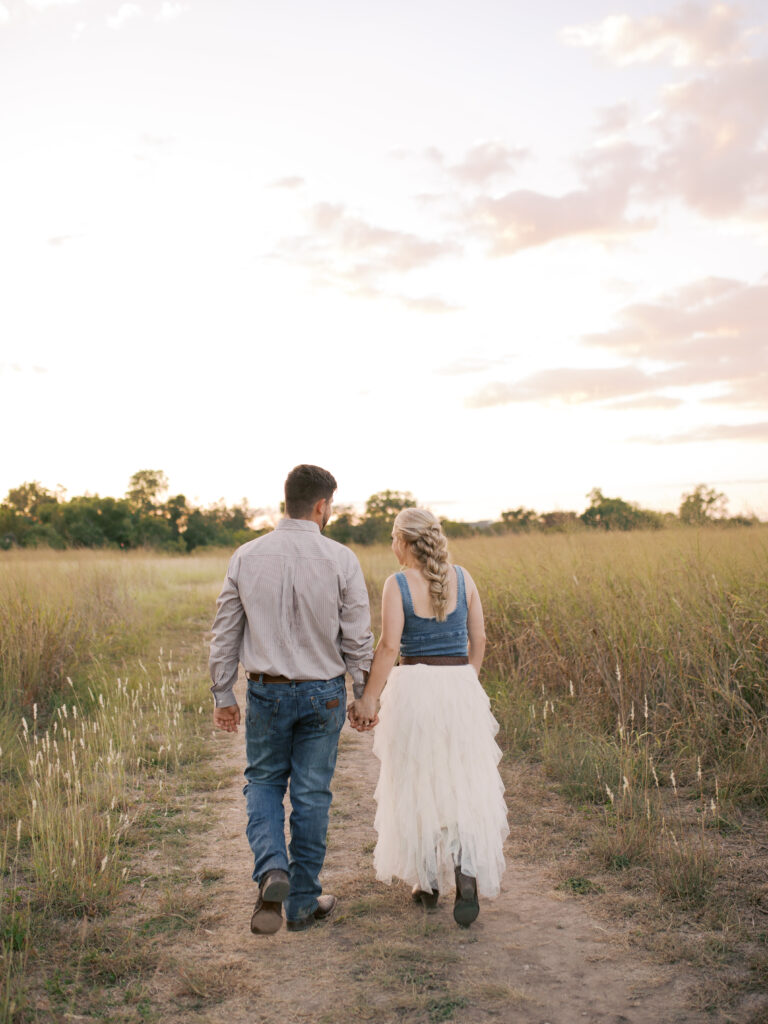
{"x": 362, "y": 714}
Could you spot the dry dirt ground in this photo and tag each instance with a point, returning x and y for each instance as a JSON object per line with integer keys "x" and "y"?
{"x": 534, "y": 955}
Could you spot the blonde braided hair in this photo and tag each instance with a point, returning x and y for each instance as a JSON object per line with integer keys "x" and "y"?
{"x": 421, "y": 530}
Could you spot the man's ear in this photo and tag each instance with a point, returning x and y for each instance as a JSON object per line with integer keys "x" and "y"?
{"x": 319, "y": 507}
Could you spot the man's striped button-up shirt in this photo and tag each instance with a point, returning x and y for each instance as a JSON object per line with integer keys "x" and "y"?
{"x": 294, "y": 603}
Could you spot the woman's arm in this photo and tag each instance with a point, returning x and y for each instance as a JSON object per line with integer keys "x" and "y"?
{"x": 475, "y": 624}
{"x": 387, "y": 649}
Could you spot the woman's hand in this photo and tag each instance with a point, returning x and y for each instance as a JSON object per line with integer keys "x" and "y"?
{"x": 362, "y": 714}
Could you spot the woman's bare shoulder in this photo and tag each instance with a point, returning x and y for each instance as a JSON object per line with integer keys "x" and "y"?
{"x": 470, "y": 583}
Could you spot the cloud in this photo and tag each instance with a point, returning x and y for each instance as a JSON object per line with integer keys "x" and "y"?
{"x": 43, "y": 5}
{"x": 472, "y": 364}
{"x": 375, "y": 246}
{"x": 713, "y": 153}
{"x": 647, "y": 402}
{"x": 613, "y": 120}
{"x": 709, "y": 333}
{"x": 482, "y": 162}
{"x": 346, "y": 251}
{"x": 427, "y": 304}
{"x": 155, "y": 141}
{"x": 747, "y": 392}
{"x": 171, "y": 11}
{"x": 721, "y": 432}
{"x": 78, "y": 30}
{"x": 125, "y": 13}
{"x": 18, "y": 368}
{"x": 290, "y": 181}
{"x": 5, "y": 14}
{"x": 570, "y": 385}
{"x": 523, "y": 219}
{"x": 57, "y": 240}
{"x": 424, "y": 304}
{"x": 689, "y": 34}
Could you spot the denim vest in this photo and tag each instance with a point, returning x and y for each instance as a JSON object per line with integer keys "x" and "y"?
{"x": 428, "y": 636}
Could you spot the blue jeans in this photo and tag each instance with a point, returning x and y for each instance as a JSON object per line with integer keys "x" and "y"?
{"x": 292, "y": 732}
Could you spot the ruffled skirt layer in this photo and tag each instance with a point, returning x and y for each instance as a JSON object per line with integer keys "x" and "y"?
{"x": 440, "y": 798}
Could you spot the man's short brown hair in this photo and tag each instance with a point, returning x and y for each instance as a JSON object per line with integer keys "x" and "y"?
{"x": 304, "y": 486}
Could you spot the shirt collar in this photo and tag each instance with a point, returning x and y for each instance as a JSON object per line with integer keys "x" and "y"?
{"x": 297, "y": 524}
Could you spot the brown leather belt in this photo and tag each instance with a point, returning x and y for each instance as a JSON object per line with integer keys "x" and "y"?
{"x": 256, "y": 677}
{"x": 435, "y": 659}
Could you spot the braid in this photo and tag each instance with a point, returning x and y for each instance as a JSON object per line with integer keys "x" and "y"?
{"x": 422, "y": 530}
{"x": 431, "y": 549}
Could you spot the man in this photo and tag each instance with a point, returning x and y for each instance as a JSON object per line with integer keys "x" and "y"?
{"x": 294, "y": 610}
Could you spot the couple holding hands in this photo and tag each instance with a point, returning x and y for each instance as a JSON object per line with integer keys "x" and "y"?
{"x": 294, "y": 611}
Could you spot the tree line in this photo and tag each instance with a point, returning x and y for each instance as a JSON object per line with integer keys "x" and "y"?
{"x": 33, "y": 516}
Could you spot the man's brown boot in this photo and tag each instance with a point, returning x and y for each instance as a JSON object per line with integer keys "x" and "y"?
{"x": 325, "y": 907}
{"x": 267, "y": 917}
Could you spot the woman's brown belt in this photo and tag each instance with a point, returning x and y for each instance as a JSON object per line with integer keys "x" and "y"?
{"x": 435, "y": 659}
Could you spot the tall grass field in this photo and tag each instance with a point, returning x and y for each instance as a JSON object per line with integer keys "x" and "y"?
{"x": 633, "y": 667}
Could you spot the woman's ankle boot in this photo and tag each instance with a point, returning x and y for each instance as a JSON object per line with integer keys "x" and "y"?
{"x": 466, "y": 908}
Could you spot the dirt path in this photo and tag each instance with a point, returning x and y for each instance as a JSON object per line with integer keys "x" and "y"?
{"x": 533, "y": 956}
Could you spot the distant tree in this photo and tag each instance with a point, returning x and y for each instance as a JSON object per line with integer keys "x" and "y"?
{"x": 344, "y": 525}
{"x": 380, "y": 511}
{"x": 617, "y": 514}
{"x": 559, "y": 522}
{"x": 29, "y": 499}
{"x": 176, "y": 512}
{"x": 88, "y": 521}
{"x": 703, "y": 505}
{"x": 386, "y": 504}
{"x": 519, "y": 520}
{"x": 456, "y": 528}
{"x": 145, "y": 489}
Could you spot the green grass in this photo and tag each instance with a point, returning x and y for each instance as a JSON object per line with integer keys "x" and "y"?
{"x": 104, "y": 712}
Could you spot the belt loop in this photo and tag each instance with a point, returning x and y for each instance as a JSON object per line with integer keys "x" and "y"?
{"x": 261, "y": 678}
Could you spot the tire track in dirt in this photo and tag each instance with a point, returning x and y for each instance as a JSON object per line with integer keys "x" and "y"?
{"x": 532, "y": 957}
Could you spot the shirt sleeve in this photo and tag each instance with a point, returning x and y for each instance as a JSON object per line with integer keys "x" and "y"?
{"x": 227, "y": 629}
{"x": 355, "y": 623}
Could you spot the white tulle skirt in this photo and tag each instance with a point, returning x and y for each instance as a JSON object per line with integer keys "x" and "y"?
{"x": 440, "y": 798}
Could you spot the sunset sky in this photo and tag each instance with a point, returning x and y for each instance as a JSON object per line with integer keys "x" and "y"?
{"x": 493, "y": 253}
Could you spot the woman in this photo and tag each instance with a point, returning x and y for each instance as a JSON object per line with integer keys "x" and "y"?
{"x": 441, "y": 815}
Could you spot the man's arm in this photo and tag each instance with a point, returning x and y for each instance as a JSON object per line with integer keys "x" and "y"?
{"x": 355, "y": 624}
{"x": 227, "y": 630}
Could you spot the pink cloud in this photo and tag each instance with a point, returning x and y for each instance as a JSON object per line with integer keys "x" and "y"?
{"x": 289, "y": 181}
{"x": 482, "y": 162}
{"x": 711, "y": 332}
{"x": 720, "y": 432}
{"x": 689, "y": 34}
{"x": 647, "y": 402}
{"x": 348, "y": 252}
{"x": 524, "y": 219}
{"x": 713, "y": 152}
{"x": 570, "y": 385}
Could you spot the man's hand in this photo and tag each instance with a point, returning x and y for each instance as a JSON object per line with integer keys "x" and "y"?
{"x": 227, "y": 719}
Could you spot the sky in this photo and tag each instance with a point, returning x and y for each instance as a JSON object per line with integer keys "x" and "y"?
{"x": 494, "y": 254}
